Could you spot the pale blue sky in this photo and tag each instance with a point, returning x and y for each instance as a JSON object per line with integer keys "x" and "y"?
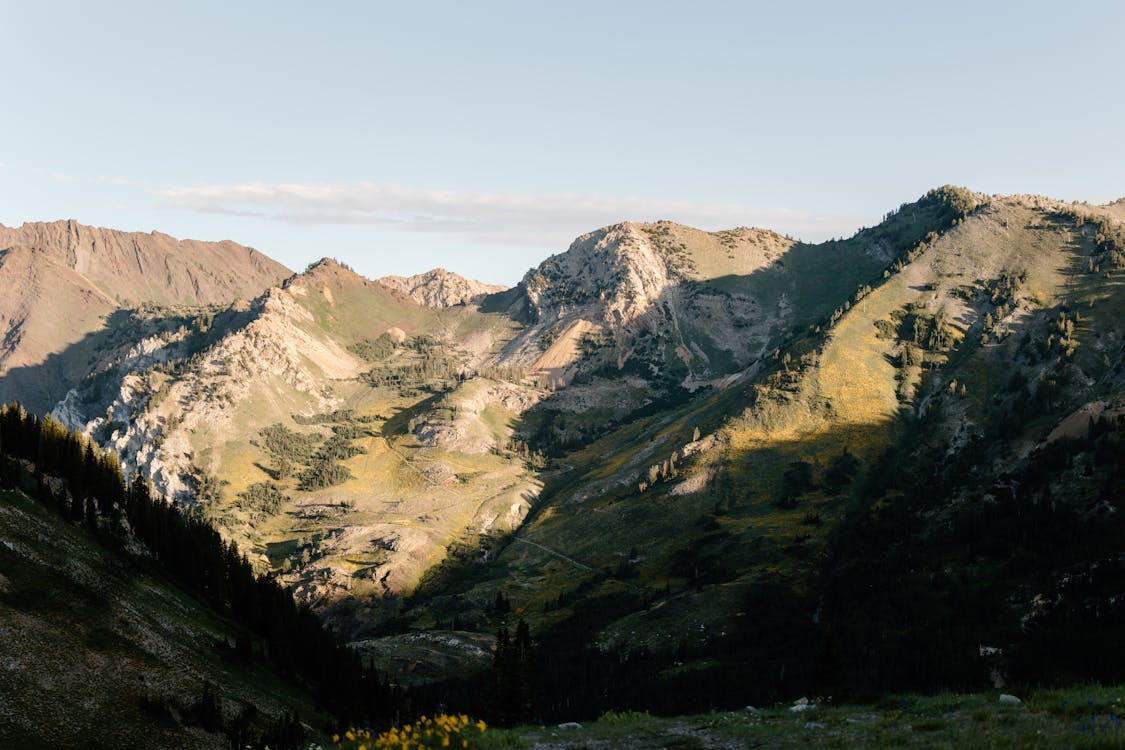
{"x": 485, "y": 136}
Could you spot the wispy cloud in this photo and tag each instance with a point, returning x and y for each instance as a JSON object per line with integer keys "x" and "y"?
{"x": 484, "y": 216}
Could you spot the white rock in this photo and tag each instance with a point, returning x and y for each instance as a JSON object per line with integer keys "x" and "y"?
{"x": 570, "y": 725}
{"x": 801, "y": 705}
{"x": 1010, "y": 700}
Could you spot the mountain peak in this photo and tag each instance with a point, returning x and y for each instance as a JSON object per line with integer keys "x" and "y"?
{"x": 329, "y": 270}
{"x": 440, "y": 288}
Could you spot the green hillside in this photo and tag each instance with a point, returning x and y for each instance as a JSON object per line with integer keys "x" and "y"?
{"x": 730, "y": 531}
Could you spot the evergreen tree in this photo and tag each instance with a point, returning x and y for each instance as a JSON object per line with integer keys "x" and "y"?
{"x": 512, "y": 675}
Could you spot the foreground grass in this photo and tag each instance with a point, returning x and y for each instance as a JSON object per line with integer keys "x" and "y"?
{"x": 1079, "y": 717}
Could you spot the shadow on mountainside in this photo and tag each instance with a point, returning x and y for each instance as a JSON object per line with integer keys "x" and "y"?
{"x": 41, "y": 386}
{"x": 91, "y": 364}
{"x": 746, "y": 553}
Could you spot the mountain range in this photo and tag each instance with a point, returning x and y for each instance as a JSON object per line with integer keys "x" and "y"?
{"x": 700, "y": 453}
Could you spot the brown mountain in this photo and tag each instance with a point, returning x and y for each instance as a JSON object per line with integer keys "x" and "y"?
{"x": 61, "y": 282}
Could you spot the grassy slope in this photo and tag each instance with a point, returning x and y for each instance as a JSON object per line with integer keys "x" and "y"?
{"x": 594, "y": 516}
{"x": 86, "y": 637}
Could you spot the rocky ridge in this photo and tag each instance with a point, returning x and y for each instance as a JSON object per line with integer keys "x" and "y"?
{"x": 137, "y": 267}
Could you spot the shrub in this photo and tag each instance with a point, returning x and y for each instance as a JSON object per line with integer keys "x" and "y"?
{"x": 440, "y": 731}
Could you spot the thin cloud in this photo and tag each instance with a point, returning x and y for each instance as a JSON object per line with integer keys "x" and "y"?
{"x": 483, "y": 216}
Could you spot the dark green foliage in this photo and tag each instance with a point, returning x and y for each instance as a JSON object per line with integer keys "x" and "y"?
{"x": 516, "y": 447}
{"x": 207, "y": 489}
{"x": 796, "y": 481}
{"x": 321, "y": 460}
{"x": 374, "y": 350}
{"x": 957, "y": 202}
{"x": 840, "y": 472}
{"x": 429, "y": 366}
{"x": 336, "y": 418}
{"x": 337, "y": 448}
{"x": 323, "y": 473}
{"x": 930, "y": 332}
{"x": 434, "y": 374}
{"x": 279, "y": 440}
{"x": 908, "y": 601}
{"x": 513, "y": 675}
{"x": 264, "y": 498}
{"x": 500, "y": 604}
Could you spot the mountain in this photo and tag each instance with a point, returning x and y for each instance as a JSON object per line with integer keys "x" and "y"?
{"x": 911, "y": 399}
{"x": 695, "y": 462}
{"x": 341, "y": 433}
{"x": 64, "y": 281}
{"x": 135, "y": 267}
{"x": 440, "y": 288}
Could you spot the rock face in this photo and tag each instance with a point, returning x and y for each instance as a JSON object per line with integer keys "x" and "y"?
{"x": 135, "y": 267}
{"x": 63, "y": 281}
{"x": 647, "y": 292}
{"x": 440, "y": 288}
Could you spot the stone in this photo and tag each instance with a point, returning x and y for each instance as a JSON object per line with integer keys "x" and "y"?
{"x": 802, "y": 704}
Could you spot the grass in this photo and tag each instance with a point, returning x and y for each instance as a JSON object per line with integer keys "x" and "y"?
{"x": 1076, "y": 717}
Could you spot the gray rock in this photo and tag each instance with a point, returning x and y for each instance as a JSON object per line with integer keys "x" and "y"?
{"x": 570, "y": 725}
{"x": 1010, "y": 700}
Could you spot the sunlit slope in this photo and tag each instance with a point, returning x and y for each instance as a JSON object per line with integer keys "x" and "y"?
{"x": 340, "y": 433}
{"x": 634, "y": 316}
{"x": 662, "y": 529}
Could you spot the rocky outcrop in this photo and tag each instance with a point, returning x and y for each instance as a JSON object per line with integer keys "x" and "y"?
{"x": 440, "y": 288}
{"x": 643, "y": 292}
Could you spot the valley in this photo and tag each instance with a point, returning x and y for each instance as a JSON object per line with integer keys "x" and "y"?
{"x": 730, "y": 465}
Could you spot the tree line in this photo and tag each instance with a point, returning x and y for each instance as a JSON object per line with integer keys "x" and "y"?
{"x": 189, "y": 550}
